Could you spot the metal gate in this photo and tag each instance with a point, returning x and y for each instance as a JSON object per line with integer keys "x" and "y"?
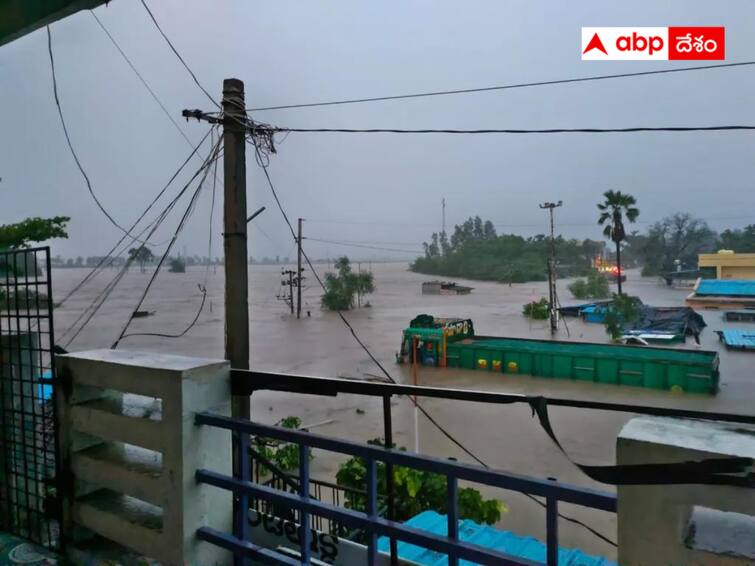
{"x": 29, "y": 505}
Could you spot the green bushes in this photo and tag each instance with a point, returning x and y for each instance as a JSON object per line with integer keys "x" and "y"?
{"x": 475, "y": 251}
{"x": 595, "y": 286}
{"x": 537, "y": 309}
{"x": 415, "y": 491}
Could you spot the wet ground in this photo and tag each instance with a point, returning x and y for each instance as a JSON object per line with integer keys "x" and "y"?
{"x": 506, "y": 438}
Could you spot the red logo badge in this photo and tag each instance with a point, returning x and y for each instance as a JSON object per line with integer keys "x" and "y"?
{"x": 696, "y": 43}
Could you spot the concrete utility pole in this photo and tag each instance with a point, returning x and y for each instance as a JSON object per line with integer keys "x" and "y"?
{"x": 234, "y": 235}
{"x": 443, "y": 205}
{"x": 290, "y": 284}
{"x": 299, "y": 278}
{"x": 552, "y": 269}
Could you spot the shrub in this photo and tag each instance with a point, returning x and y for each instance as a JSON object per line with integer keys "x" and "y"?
{"x": 537, "y": 309}
{"x": 177, "y": 265}
{"x": 594, "y": 287}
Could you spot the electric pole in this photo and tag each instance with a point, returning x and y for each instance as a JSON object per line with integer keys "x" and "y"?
{"x": 443, "y": 206}
{"x": 234, "y": 235}
{"x": 290, "y": 284}
{"x": 298, "y": 271}
{"x": 552, "y": 296}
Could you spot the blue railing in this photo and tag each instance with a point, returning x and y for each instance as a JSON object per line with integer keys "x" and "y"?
{"x": 370, "y": 522}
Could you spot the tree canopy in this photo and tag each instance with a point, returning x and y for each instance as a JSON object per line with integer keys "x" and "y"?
{"x": 676, "y": 237}
{"x": 342, "y": 286}
{"x": 476, "y": 251}
{"x": 32, "y": 230}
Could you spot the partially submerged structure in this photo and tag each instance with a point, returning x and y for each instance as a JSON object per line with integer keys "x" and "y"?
{"x": 444, "y": 288}
{"x": 738, "y": 339}
{"x": 727, "y": 265}
{"x": 435, "y": 342}
{"x": 729, "y": 294}
{"x": 653, "y": 324}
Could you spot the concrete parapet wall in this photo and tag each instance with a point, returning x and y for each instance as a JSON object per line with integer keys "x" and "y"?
{"x": 129, "y": 440}
{"x": 684, "y": 524}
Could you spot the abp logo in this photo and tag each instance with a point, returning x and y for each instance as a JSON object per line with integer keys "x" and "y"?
{"x": 652, "y": 43}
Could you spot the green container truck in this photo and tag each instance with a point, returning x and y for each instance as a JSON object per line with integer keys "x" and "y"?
{"x": 641, "y": 366}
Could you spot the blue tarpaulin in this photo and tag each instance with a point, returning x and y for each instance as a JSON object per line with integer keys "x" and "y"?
{"x": 726, "y": 287}
{"x": 488, "y": 537}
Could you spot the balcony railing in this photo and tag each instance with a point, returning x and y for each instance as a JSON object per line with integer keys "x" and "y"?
{"x": 371, "y": 522}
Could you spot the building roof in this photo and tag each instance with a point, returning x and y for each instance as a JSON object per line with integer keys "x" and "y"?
{"x": 488, "y": 537}
{"x": 21, "y": 17}
{"x": 726, "y": 288}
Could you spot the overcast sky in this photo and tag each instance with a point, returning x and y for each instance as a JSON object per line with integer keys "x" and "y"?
{"x": 385, "y": 190}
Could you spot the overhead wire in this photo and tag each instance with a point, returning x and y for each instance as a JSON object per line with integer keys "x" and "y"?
{"x": 385, "y": 372}
{"x": 108, "y": 256}
{"x": 70, "y": 144}
{"x": 629, "y": 130}
{"x": 189, "y": 209}
{"x": 175, "y": 51}
{"x": 502, "y": 87}
{"x": 364, "y": 246}
{"x": 99, "y": 299}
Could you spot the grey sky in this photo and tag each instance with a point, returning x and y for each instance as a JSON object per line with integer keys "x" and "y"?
{"x": 377, "y": 188}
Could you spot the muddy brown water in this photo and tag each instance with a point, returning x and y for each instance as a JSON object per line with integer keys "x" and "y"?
{"x": 505, "y": 437}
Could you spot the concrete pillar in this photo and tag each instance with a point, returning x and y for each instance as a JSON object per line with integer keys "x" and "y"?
{"x": 684, "y": 524}
{"x": 129, "y": 439}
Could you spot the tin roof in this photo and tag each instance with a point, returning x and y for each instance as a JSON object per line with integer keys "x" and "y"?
{"x": 740, "y": 339}
{"x": 726, "y": 287}
{"x": 488, "y": 537}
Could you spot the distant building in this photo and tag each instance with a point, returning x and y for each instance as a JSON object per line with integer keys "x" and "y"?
{"x": 727, "y": 265}
{"x": 444, "y": 288}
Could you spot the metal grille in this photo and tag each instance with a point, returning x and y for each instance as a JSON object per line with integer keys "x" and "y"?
{"x": 28, "y": 451}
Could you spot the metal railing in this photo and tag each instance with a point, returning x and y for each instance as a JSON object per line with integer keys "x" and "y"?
{"x": 370, "y": 521}
{"x": 305, "y": 503}
{"x": 245, "y": 382}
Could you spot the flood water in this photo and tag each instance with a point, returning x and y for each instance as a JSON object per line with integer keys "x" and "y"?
{"x": 505, "y": 437}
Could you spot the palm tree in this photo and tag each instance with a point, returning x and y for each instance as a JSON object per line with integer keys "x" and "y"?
{"x": 613, "y": 210}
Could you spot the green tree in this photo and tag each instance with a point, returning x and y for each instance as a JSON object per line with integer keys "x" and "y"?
{"x": 740, "y": 241}
{"x": 142, "y": 255}
{"x": 613, "y": 210}
{"x": 342, "y": 286}
{"x": 283, "y": 454}
{"x": 19, "y": 236}
{"x": 177, "y": 265}
{"x": 476, "y": 251}
{"x": 622, "y": 311}
{"x": 595, "y": 286}
{"x": 415, "y": 491}
{"x": 676, "y": 237}
{"x": 31, "y": 230}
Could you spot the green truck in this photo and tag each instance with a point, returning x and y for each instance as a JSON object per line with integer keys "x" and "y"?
{"x": 452, "y": 343}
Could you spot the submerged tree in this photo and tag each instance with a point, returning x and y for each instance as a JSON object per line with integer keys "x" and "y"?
{"x": 342, "y": 286}
{"x": 142, "y": 255}
{"x": 613, "y": 210}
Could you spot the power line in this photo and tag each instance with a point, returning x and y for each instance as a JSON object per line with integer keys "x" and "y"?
{"x": 502, "y": 87}
{"x": 165, "y": 37}
{"x": 105, "y": 258}
{"x": 189, "y": 209}
{"x": 364, "y": 347}
{"x": 70, "y": 144}
{"x": 100, "y": 299}
{"x": 630, "y": 130}
{"x": 141, "y": 78}
{"x": 364, "y": 246}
